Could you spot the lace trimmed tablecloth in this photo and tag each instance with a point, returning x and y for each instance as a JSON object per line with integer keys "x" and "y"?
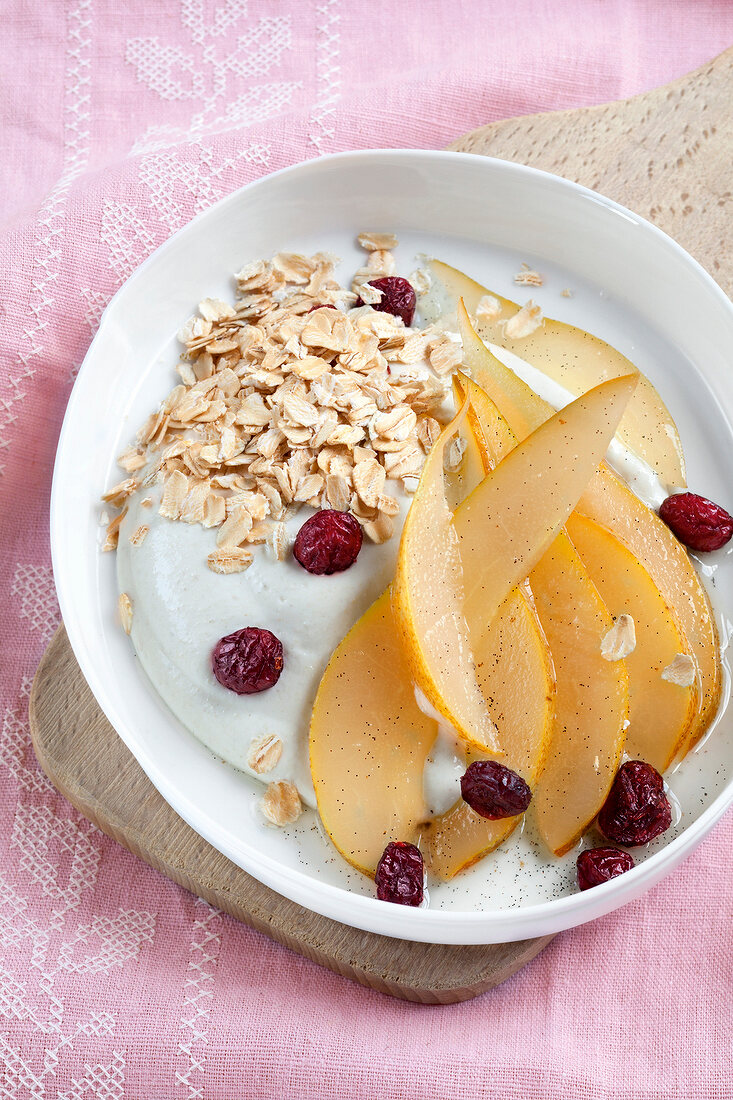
{"x": 119, "y": 122}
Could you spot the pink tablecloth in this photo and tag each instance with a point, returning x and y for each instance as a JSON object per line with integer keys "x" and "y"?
{"x": 119, "y": 122}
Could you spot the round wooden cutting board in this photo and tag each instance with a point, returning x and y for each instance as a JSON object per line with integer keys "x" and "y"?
{"x": 665, "y": 154}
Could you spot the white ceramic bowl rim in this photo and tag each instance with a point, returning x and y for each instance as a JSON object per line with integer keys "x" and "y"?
{"x": 333, "y": 901}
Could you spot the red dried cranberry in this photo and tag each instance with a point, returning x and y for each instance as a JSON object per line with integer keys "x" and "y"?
{"x": 598, "y": 865}
{"x": 328, "y": 542}
{"x": 398, "y": 297}
{"x": 248, "y": 661}
{"x": 320, "y": 306}
{"x": 697, "y": 522}
{"x": 494, "y": 791}
{"x": 400, "y": 874}
{"x": 637, "y": 810}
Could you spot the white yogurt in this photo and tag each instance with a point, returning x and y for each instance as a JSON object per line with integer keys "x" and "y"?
{"x": 181, "y": 609}
{"x": 446, "y": 763}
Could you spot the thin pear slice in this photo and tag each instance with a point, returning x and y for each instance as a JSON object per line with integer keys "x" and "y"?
{"x": 592, "y": 694}
{"x": 592, "y": 699}
{"x": 507, "y": 524}
{"x": 369, "y": 742}
{"x": 660, "y": 713}
{"x": 609, "y": 502}
{"x": 578, "y": 361}
{"x": 513, "y": 516}
{"x": 428, "y": 599}
{"x": 516, "y": 676}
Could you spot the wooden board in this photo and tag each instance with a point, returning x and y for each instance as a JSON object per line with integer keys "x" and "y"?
{"x": 665, "y": 154}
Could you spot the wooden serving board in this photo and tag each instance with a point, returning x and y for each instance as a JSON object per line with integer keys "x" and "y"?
{"x": 667, "y": 155}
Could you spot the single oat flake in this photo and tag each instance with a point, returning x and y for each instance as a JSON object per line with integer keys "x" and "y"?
{"x": 680, "y": 671}
{"x": 231, "y": 559}
{"x": 138, "y": 535}
{"x": 620, "y": 640}
{"x": 280, "y": 804}
{"x": 124, "y": 606}
{"x": 524, "y": 322}
{"x": 528, "y": 277}
{"x": 421, "y": 281}
{"x": 264, "y": 753}
{"x": 370, "y": 295}
{"x": 377, "y": 242}
{"x": 488, "y": 308}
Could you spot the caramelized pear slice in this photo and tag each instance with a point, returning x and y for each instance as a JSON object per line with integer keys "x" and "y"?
{"x": 578, "y": 361}
{"x": 369, "y": 742}
{"x": 660, "y": 713}
{"x": 609, "y": 502}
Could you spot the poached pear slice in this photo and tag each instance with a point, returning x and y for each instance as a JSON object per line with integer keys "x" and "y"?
{"x": 591, "y": 704}
{"x": 515, "y": 673}
{"x": 428, "y": 601}
{"x": 507, "y": 523}
{"x": 578, "y": 361}
{"x": 369, "y": 741}
{"x": 592, "y": 699}
{"x": 660, "y": 713}
{"x": 514, "y": 515}
{"x": 608, "y": 501}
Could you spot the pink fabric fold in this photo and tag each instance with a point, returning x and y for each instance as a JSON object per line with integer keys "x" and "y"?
{"x": 119, "y": 123}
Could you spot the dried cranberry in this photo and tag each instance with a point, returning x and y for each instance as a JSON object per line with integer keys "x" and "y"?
{"x": 494, "y": 791}
{"x": 320, "y": 306}
{"x": 248, "y": 661}
{"x": 398, "y": 297}
{"x": 637, "y": 809}
{"x": 400, "y": 874}
{"x": 697, "y": 522}
{"x": 598, "y": 865}
{"x": 328, "y": 542}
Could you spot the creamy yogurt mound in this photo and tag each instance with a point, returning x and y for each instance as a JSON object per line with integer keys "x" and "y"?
{"x": 182, "y": 608}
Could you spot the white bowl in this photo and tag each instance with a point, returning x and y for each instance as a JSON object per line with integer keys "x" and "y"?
{"x": 632, "y": 285}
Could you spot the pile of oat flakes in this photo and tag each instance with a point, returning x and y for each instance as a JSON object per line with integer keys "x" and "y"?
{"x": 283, "y": 401}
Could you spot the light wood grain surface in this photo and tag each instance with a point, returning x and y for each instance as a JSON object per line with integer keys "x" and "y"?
{"x": 667, "y": 155}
